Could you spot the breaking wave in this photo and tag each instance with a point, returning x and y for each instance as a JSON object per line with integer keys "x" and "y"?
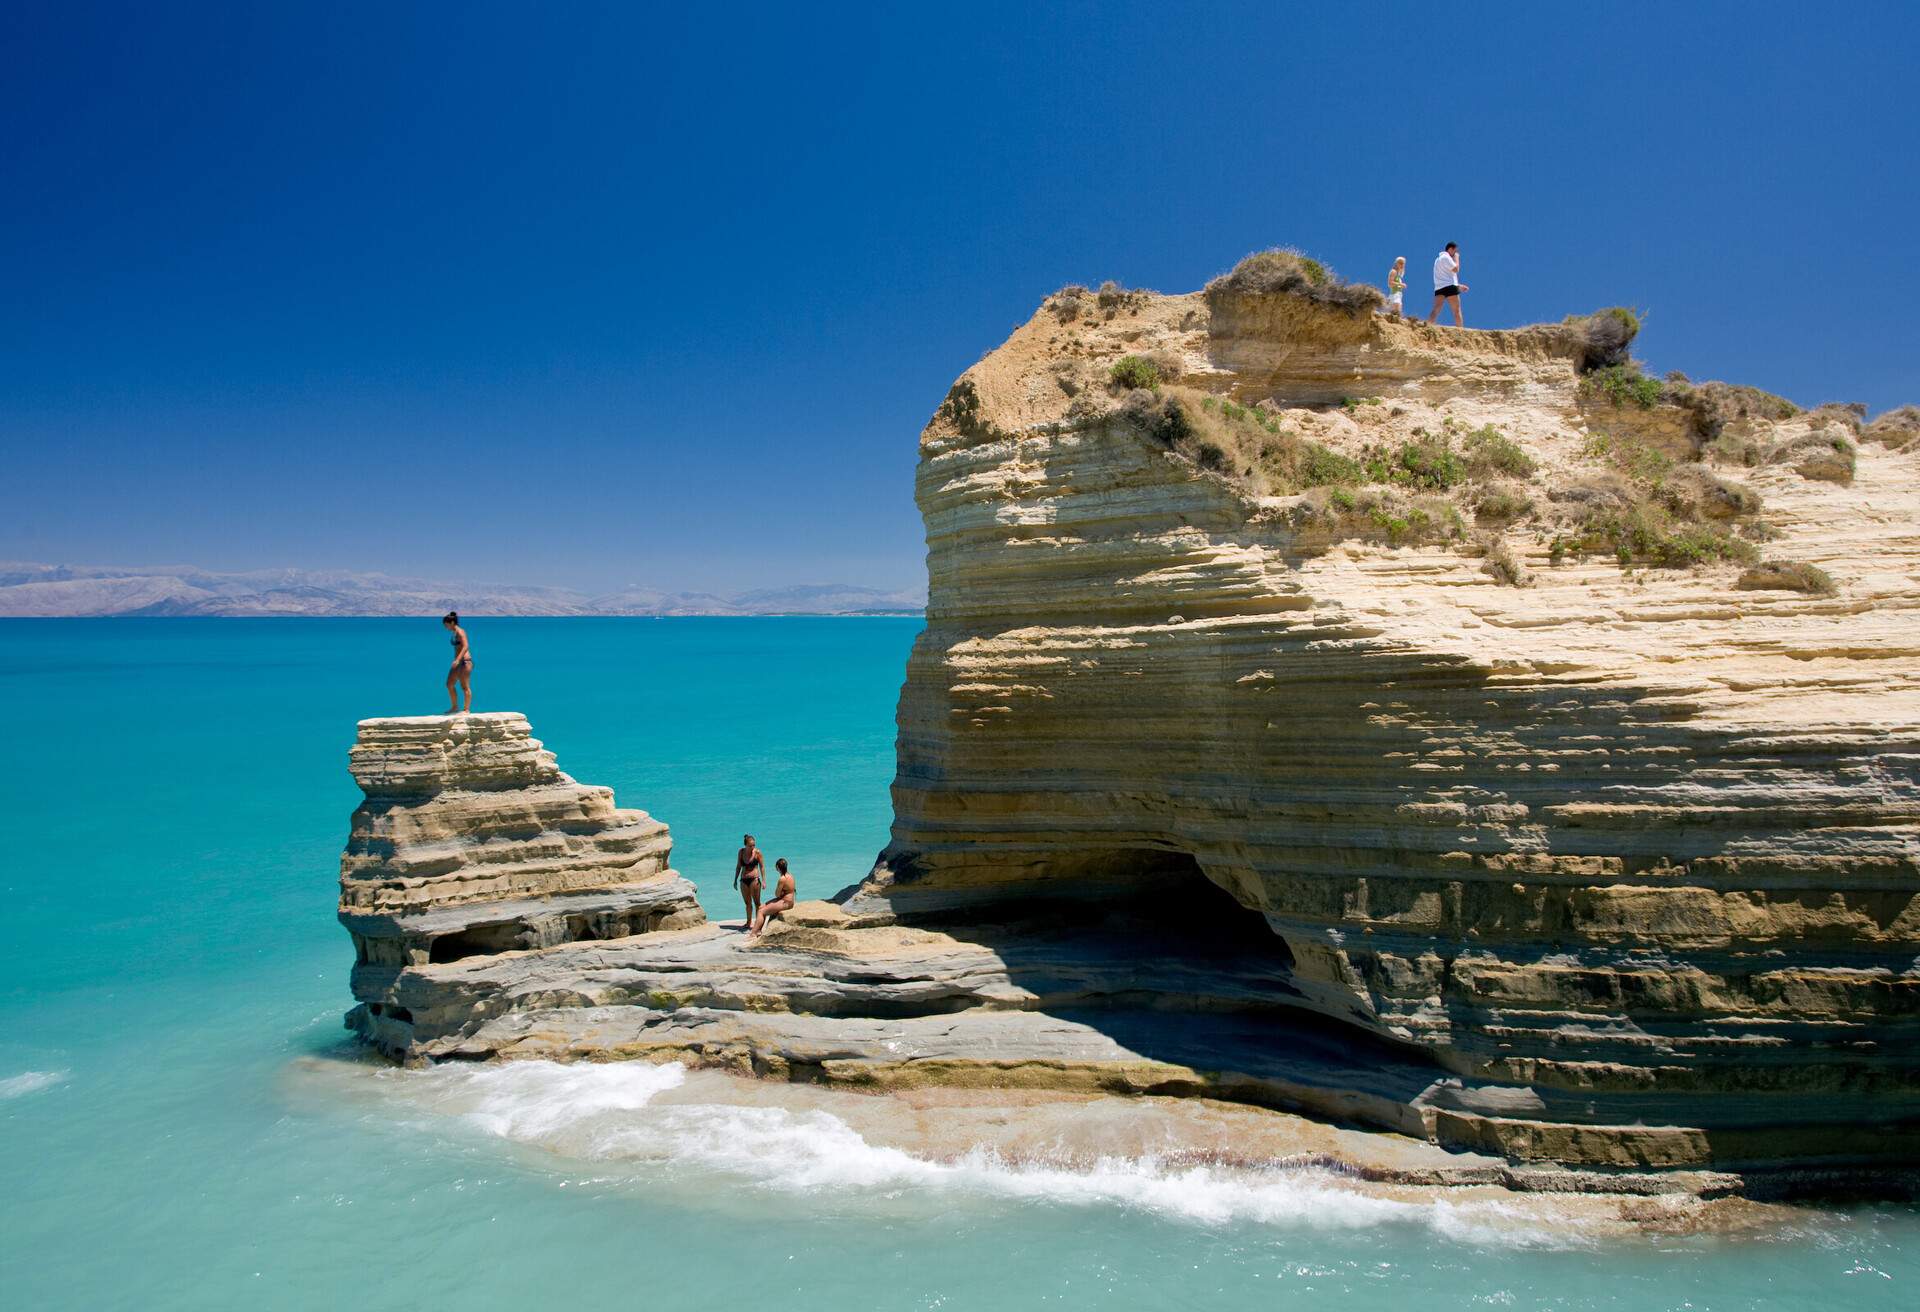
{"x": 609, "y": 1114}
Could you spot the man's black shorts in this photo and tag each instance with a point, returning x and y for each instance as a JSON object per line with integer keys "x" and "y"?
{"x": 1450, "y": 290}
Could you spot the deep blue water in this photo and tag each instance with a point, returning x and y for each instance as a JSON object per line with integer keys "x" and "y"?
{"x": 183, "y": 1126}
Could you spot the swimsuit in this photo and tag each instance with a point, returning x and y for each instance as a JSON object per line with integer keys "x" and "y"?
{"x": 466, "y": 660}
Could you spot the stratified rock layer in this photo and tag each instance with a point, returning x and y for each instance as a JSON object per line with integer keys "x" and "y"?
{"x": 1202, "y": 791}
{"x": 471, "y": 842}
{"x": 1637, "y": 845}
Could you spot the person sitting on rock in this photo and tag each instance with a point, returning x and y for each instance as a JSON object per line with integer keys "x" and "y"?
{"x": 461, "y": 675}
{"x": 749, "y": 874}
{"x": 783, "y": 897}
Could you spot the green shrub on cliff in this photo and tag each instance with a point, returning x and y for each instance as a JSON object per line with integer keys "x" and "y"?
{"x": 1135, "y": 371}
{"x": 1643, "y": 532}
{"x": 1428, "y": 461}
{"x": 1284, "y": 271}
{"x": 1622, "y": 384}
{"x": 1489, "y": 451}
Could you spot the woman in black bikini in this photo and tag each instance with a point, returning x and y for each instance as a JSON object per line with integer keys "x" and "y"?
{"x": 461, "y": 675}
{"x": 749, "y": 873}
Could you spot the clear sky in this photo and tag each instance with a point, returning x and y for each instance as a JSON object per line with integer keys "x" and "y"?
{"x": 589, "y": 297}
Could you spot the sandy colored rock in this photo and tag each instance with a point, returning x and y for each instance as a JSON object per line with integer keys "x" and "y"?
{"x": 1630, "y": 840}
{"x": 1207, "y": 788}
{"x": 471, "y": 841}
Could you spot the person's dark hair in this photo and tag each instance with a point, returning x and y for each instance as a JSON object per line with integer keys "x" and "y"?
{"x": 746, "y": 838}
{"x": 1453, "y": 245}
{"x": 451, "y": 617}
{"x": 781, "y": 865}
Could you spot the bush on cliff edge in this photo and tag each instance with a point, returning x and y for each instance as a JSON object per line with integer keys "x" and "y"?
{"x": 1284, "y": 271}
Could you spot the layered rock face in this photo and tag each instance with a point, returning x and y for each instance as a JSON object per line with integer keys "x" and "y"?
{"x": 1631, "y": 849}
{"x": 472, "y": 842}
{"x": 1386, "y": 723}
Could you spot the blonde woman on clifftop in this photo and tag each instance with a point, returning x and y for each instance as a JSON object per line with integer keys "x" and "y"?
{"x": 1397, "y": 287}
{"x": 461, "y": 675}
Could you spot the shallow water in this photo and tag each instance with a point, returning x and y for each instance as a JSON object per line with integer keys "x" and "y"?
{"x": 183, "y": 1127}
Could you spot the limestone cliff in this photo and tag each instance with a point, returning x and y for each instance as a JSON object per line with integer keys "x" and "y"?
{"x": 1451, "y": 732}
{"x": 471, "y": 842}
{"x": 1634, "y": 842}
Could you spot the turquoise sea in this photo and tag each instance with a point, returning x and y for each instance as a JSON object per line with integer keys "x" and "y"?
{"x": 182, "y": 1124}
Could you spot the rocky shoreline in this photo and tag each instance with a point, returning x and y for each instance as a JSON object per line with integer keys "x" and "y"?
{"x": 1598, "y": 875}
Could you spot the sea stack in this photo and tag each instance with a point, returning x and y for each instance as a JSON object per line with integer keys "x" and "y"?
{"x": 472, "y": 842}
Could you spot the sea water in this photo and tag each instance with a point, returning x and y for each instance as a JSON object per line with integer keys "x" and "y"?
{"x": 183, "y": 1125}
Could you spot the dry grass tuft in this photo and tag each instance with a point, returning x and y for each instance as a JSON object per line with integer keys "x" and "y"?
{"x": 1604, "y": 338}
{"x": 1283, "y": 271}
{"x": 1502, "y": 565}
{"x": 1788, "y": 576}
{"x": 1896, "y": 429}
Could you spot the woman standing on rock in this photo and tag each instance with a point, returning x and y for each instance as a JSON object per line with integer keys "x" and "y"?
{"x": 461, "y": 675}
{"x": 1397, "y": 287}
{"x": 783, "y": 895}
{"x": 749, "y": 873}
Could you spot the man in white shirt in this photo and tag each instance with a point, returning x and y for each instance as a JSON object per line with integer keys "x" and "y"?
{"x": 1446, "y": 283}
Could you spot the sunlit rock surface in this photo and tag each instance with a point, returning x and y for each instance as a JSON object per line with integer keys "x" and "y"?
{"x": 471, "y": 842}
{"x": 1365, "y": 801}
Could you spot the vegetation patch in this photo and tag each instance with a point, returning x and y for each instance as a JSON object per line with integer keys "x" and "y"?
{"x": 1502, "y": 505}
{"x": 1113, "y": 298}
{"x": 1135, "y": 371}
{"x": 1622, "y": 385}
{"x": 1826, "y": 456}
{"x": 1427, "y": 461}
{"x": 1788, "y": 576}
{"x": 1489, "y": 451}
{"x": 1070, "y": 302}
{"x": 961, "y": 411}
{"x": 1604, "y": 338}
{"x": 1500, "y": 564}
{"x": 1644, "y": 511}
{"x": 1284, "y": 271}
{"x": 1896, "y": 429}
{"x": 1384, "y": 515}
{"x": 1645, "y": 534}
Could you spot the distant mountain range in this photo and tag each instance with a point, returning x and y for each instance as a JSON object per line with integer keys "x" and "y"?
{"x": 84, "y": 590}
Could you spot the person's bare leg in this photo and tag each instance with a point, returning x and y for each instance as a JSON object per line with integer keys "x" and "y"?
{"x": 746, "y": 902}
{"x": 453, "y": 698}
{"x": 1458, "y": 322}
{"x": 466, "y": 690}
{"x": 1437, "y": 298}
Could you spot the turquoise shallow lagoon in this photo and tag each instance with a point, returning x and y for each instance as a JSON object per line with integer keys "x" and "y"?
{"x": 182, "y": 1124}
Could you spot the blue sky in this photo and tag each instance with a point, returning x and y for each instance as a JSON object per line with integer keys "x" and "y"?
{"x": 596, "y": 296}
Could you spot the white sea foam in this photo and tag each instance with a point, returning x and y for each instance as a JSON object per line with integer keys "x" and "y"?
{"x": 19, "y": 1086}
{"x": 608, "y": 1114}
